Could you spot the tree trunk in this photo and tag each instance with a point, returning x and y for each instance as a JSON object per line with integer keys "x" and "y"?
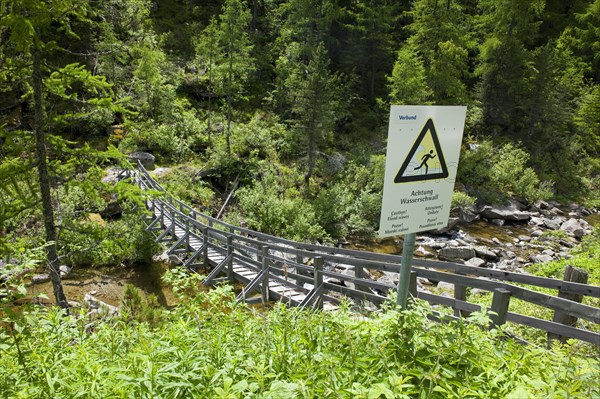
{"x": 47, "y": 209}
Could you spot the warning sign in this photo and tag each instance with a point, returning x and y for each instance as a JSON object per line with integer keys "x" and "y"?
{"x": 422, "y": 159}
{"x": 425, "y": 161}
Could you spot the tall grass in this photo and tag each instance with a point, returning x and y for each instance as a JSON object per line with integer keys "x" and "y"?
{"x": 211, "y": 347}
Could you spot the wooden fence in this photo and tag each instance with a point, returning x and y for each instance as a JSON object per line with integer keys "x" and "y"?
{"x": 314, "y": 270}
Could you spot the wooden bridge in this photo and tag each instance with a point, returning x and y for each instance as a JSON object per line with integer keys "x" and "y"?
{"x": 308, "y": 275}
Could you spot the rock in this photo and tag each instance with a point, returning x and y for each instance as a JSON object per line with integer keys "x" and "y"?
{"x": 485, "y": 253}
{"x": 160, "y": 172}
{"x": 163, "y": 258}
{"x": 40, "y": 278}
{"x": 97, "y": 306}
{"x": 548, "y": 252}
{"x": 348, "y": 272}
{"x": 112, "y": 176}
{"x": 454, "y": 253}
{"x": 497, "y": 222}
{"x": 74, "y": 304}
{"x": 466, "y": 214}
{"x": 477, "y": 262}
{"x": 478, "y": 291}
{"x": 336, "y": 163}
{"x": 496, "y": 241}
{"x": 552, "y": 224}
{"x": 422, "y": 252}
{"x": 574, "y": 227}
{"x": 537, "y": 233}
{"x": 145, "y": 158}
{"x": 333, "y": 280}
{"x": 388, "y": 279}
{"x": 524, "y": 238}
{"x": 64, "y": 271}
{"x": 505, "y": 213}
{"x": 437, "y": 245}
{"x": 445, "y": 286}
{"x": 541, "y": 258}
{"x": 424, "y": 282}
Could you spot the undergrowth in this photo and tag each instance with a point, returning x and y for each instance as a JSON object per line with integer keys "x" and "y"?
{"x": 212, "y": 347}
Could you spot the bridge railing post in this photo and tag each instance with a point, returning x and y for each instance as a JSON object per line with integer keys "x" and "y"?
{"x": 187, "y": 234}
{"x": 264, "y": 261}
{"x": 162, "y": 216}
{"x": 230, "y": 275}
{"x": 206, "y": 243}
{"x": 318, "y": 280}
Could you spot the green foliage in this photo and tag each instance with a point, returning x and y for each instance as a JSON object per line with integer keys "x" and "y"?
{"x": 496, "y": 173}
{"x": 407, "y": 84}
{"x": 212, "y": 348}
{"x": 353, "y": 203}
{"x": 139, "y": 308}
{"x": 462, "y": 199}
{"x": 273, "y": 206}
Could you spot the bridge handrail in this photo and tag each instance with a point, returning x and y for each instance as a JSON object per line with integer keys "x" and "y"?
{"x": 250, "y": 241}
{"x": 371, "y": 258}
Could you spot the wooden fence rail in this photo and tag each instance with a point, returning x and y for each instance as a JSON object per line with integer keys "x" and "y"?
{"x": 306, "y": 274}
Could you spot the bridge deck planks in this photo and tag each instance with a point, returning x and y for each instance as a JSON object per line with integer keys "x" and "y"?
{"x": 279, "y": 289}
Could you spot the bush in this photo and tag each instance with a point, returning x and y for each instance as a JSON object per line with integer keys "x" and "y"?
{"x": 496, "y": 173}
{"x": 273, "y": 207}
{"x": 352, "y": 204}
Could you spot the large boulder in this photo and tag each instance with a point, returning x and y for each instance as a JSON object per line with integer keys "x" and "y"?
{"x": 575, "y": 227}
{"x": 510, "y": 213}
{"x": 145, "y": 158}
{"x": 456, "y": 253}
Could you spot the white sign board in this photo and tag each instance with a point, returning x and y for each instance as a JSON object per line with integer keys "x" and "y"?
{"x": 422, "y": 158}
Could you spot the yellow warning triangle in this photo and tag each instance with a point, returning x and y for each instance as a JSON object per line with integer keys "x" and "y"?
{"x": 426, "y": 166}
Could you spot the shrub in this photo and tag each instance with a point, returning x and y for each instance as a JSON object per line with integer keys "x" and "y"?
{"x": 496, "y": 173}
{"x": 272, "y": 207}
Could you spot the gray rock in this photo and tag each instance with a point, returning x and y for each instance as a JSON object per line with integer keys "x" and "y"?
{"x": 541, "y": 258}
{"x": 497, "y": 222}
{"x": 537, "y": 233}
{"x": 452, "y": 222}
{"x": 548, "y": 252}
{"x": 467, "y": 214}
{"x": 160, "y": 172}
{"x": 111, "y": 176}
{"x": 574, "y": 227}
{"x": 477, "y": 262}
{"x": 422, "y": 252}
{"x": 552, "y": 224}
{"x": 387, "y": 279}
{"x": 437, "y": 245}
{"x": 505, "y": 213}
{"x": 485, "y": 253}
{"x": 444, "y": 286}
{"x": 40, "y": 278}
{"x": 145, "y": 158}
{"x": 64, "y": 271}
{"x": 455, "y": 253}
{"x": 524, "y": 238}
{"x": 350, "y": 273}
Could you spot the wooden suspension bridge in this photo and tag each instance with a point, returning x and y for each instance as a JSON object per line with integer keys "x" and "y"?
{"x": 307, "y": 275}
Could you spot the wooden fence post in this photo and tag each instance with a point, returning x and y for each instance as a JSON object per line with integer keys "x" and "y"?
{"x": 300, "y": 261}
{"x": 264, "y": 261}
{"x": 412, "y": 284}
{"x": 205, "y": 254}
{"x": 500, "y": 302}
{"x": 318, "y": 280}
{"x": 575, "y": 275}
{"x": 460, "y": 294}
{"x": 230, "y": 255}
